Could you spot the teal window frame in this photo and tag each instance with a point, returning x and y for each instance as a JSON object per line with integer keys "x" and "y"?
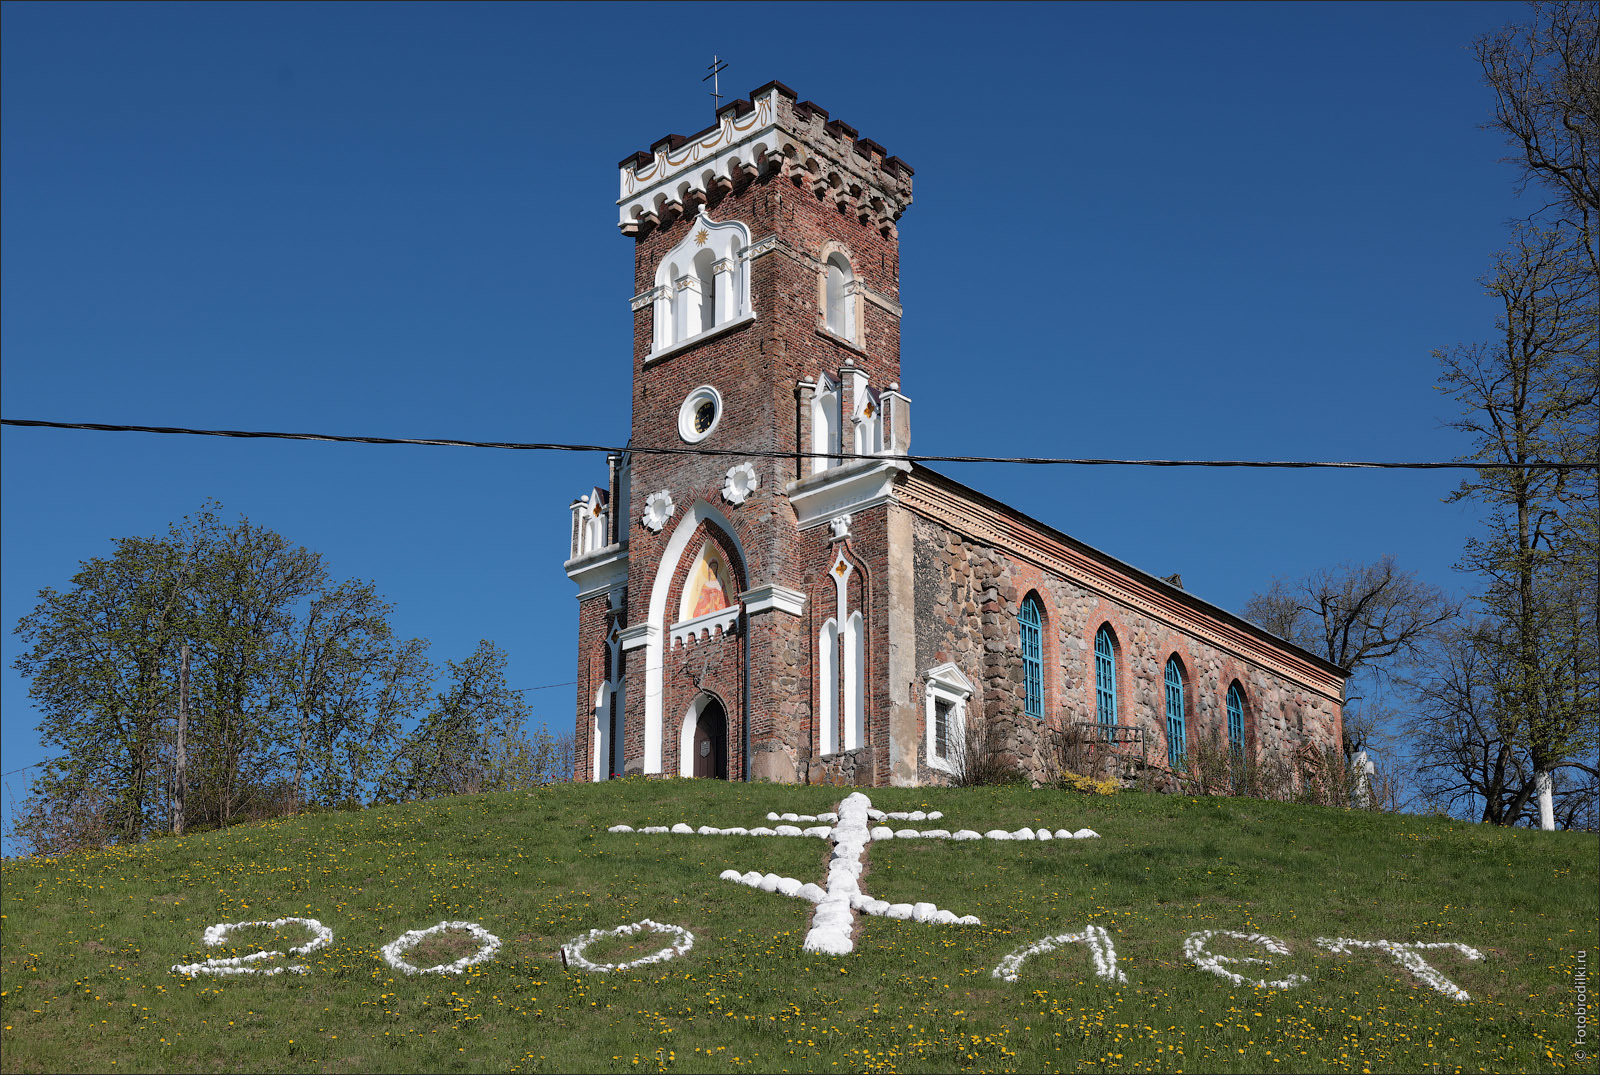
{"x": 1105, "y": 677}
{"x": 1236, "y": 721}
{"x": 1030, "y": 621}
{"x": 1177, "y": 744}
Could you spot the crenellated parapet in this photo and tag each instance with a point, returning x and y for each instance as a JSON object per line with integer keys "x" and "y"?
{"x": 770, "y": 135}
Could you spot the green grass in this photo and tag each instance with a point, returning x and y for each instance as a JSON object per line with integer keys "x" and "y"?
{"x": 87, "y": 941}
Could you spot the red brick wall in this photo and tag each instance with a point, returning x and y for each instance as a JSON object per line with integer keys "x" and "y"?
{"x": 756, "y": 368}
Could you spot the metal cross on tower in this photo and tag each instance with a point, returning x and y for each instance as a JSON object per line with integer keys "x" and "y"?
{"x": 716, "y": 68}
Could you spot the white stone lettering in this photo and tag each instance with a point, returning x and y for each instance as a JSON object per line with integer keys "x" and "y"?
{"x": 1194, "y": 949}
{"x": 1095, "y": 937}
{"x": 321, "y": 937}
{"x": 1408, "y": 954}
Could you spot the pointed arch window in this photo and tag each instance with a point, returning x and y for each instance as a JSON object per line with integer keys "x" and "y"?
{"x": 828, "y": 688}
{"x": 854, "y": 683}
{"x": 1236, "y": 721}
{"x": 1105, "y": 678}
{"x": 1176, "y": 745}
{"x": 1030, "y": 619}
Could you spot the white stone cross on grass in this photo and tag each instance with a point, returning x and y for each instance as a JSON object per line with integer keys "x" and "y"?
{"x": 841, "y": 899}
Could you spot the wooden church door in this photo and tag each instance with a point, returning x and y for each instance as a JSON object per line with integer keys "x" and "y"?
{"x": 711, "y": 742}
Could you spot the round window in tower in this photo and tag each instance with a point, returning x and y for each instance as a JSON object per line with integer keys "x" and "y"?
{"x": 700, "y": 413}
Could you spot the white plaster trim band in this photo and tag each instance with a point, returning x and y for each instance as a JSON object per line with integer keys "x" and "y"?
{"x": 573, "y": 949}
{"x": 708, "y": 625}
{"x": 1407, "y": 954}
{"x": 645, "y": 298}
{"x": 394, "y": 951}
{"x": 1095, "y": 937}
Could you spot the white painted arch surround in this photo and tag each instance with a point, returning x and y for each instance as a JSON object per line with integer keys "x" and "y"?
{"x": 655, "y": 648}
{"x": 691, "y": 722}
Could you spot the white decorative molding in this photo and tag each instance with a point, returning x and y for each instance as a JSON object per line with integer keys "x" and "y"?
{"x": 740, "y": 482}
{"x": 645, "y": 298}
{"x": 706, "y": 626}
{"x": 946, "y": 683}
{"x": 600, "y": 571}
{"x": 666, "y": 571}
{"x": 638, "y": 636}
{"x": 723, "y": 152}
{"x": 658, "y": 508}
{"x": 840, "y": 525}
{"x": 764, "y": 245}
{"x": 701, "y": 337}
{"x": 762, "y": 598}
{"x": 691, "y": 404}
{"x": 850, "y": 487}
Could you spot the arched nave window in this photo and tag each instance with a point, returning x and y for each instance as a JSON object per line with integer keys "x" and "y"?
{"x": 1030, "y": 619}
{"x": 1177, "y": 747}
{"x": 1105, "y": 677}
{"x": 839, "y": 299}
{"x": 1236, "y": 721}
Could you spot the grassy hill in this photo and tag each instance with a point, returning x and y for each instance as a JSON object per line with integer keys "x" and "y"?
{"x": 88, "y": 940}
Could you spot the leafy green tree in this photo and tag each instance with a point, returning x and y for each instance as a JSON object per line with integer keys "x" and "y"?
{"x": 299, "y": 692}
{"x": 467, "y": 743}
{"x": 102, "y": 658}
{"x": 350, "y": 685}
{"x": 248, "y": 586}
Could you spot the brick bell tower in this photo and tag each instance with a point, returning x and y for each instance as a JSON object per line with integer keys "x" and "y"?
{"x": 736, "y": 592}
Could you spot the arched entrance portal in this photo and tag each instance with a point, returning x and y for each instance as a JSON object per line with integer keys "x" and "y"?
{"x": 711, "y": 742}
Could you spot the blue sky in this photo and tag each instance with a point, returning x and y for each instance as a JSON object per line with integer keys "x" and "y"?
{"x": 1147, "y": 230}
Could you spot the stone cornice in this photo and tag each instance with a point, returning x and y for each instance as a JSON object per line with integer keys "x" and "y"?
{"x": 781, "y": 598}
{"x": 698, "y": 338}
{"x": 771, "y": 134}
{"x": 881, "y": 301}
{"x": 854, "y": 485}
{"x": 638, "y": 636}
{"x": 935, "y": 497}
{"x": 602, "y": 570}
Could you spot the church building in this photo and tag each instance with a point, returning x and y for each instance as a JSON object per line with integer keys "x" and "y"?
{"x": 769, "y": 590}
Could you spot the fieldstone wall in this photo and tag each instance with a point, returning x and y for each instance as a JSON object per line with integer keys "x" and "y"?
{"x": 967, "y": 595}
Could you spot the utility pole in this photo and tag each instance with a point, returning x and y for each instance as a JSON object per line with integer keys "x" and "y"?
{"x": 180, "y": 762}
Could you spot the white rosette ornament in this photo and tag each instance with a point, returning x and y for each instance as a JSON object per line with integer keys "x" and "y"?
{"x": 740, "y": 482}
{"x": 658, "y": 508}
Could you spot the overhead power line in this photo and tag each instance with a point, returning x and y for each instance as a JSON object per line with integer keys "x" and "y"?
{"x": 441, "y": 442}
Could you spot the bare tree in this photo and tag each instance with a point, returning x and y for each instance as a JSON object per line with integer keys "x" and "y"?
{"x": 1371, "y": 618}
{"x": 1467, "y": 757}
{"x": 1546, "y": 82}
